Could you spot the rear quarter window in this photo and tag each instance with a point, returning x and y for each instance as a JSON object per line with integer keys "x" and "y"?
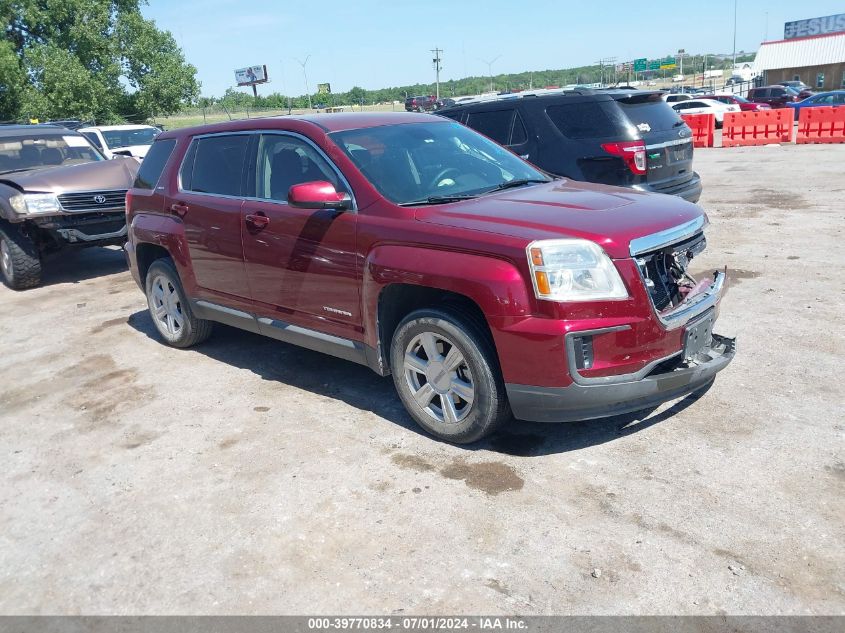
{"x": 584, "y": 120}
{"x": 153, "y": 164}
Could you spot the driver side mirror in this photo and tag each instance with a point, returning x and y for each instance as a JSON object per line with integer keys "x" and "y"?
{"x": 319, "y": 194}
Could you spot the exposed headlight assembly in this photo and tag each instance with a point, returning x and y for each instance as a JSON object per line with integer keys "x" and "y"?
{"x": 35, "y": 203}
{"x": 573, "y": 270}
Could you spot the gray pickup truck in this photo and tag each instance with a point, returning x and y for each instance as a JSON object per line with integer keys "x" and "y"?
{"x": 56, "y": 192}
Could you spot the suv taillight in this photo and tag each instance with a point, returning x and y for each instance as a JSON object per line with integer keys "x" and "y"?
{"x": 632, "y": 152}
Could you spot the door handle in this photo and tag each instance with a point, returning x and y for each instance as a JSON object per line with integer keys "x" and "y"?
{"x": 259, "y": 221}
{"x": 179, "y": 209}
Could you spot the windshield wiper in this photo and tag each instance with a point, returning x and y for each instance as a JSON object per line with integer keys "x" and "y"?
{"x": 439, "y": 200}
{"x": 519, "y": 182}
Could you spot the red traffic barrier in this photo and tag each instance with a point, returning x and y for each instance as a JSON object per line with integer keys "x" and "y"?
{"x": 825, "y": 124}
{"x": 703, "y": 128}
{"x": 757, "y": 128}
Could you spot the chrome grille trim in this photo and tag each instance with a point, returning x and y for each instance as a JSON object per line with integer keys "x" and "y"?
{"x": 84, "y": 201}
{"x": 668, "y": 237}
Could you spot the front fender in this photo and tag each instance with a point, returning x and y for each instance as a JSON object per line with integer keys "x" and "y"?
{"x": 495, "y": 285}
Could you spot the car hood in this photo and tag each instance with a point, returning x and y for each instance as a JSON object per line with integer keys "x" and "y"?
{"x": 609, "y": 216}
{"x": 102, "y": 175}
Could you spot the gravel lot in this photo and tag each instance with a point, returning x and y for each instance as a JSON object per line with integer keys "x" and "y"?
{"x": 248, "y": 476}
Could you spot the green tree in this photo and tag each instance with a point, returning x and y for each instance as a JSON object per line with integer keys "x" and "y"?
{"x": 92, "y": 59}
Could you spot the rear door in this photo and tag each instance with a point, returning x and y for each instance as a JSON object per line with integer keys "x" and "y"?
{"x": 209, "y": 201}
{"x": 668, "y": 139}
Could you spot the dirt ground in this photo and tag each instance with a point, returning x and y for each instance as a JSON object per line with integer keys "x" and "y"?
{"x": 248, "y": 476}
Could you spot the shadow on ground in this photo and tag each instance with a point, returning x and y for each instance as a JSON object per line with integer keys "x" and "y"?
{"x": 73, "y": 266}
{"x": 361, "y": 388}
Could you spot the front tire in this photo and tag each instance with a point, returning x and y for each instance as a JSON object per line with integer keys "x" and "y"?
{"x": 20, "y": 261}
{"x": 170, "y": 308}
{"x": 446, "y": 374}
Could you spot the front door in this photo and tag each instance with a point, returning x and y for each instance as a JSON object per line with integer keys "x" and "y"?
{"x": 209, "y": 202}
{"x": 301, "y": 263}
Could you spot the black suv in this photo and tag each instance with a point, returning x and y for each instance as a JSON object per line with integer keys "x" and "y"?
{"x": 420, "y": 104}
{"x": 627, "y": 138}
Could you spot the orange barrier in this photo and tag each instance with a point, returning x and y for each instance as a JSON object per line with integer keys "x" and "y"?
{"x": 825, "y": 124}
{"x": 703, "y": 128}
{"x": 757, "y": 128}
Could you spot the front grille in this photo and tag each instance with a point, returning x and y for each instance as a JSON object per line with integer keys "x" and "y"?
{"x": 664, "y": 271}
{"x": 89, "y": 201}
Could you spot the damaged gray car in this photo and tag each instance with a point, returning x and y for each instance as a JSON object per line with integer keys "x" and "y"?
{"x": 56, "y": 192}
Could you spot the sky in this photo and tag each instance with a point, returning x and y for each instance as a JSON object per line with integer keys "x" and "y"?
{"x": 382, "y": 43}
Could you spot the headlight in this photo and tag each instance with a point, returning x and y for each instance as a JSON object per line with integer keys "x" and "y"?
{"x": 18, "y": 204}
{"x": 573, "y": 270}
{"x": 41, "y": 203}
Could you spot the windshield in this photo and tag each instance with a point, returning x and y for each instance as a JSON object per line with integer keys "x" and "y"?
{"x": 424, "y": 163}
{"x": 127, "y": 138}
{"x": 739, "y": 99}
{"x": 19, "y": 153}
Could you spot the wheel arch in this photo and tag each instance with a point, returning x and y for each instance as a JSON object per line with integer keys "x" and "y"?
{"x": 398, "y": 280}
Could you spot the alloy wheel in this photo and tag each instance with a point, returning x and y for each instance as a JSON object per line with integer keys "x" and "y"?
{"x": 167, "y": 306}
{"x": 439, "y": 378}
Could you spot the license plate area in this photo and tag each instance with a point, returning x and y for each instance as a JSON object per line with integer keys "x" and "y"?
{"x": 698, "y": 335}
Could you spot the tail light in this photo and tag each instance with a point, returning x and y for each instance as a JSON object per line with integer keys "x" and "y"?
{"x": 128, "y": 201}
{"x": 632, "y": 152}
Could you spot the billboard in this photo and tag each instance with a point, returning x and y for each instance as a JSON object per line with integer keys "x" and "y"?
{"x": 814, "y": 26}
{"x": 324, "y": 89}
{"x": 251, "y": 75}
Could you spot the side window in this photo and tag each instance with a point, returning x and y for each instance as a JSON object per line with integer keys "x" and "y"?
{"x": 154, "y": 163}
{"x": 495, "y": 124}
{"x": 455, "y": 116}
{"x": 583, "y": 120}
{"x": 187, "y": 170}
{"x": 819, "y": 80}
{"x": 219, "y": 164}
{"x": 284, "y": 161}
{"x": 777, "y": 92}
{"x": 94, "y": 139}
{"x": 518, "y": 135}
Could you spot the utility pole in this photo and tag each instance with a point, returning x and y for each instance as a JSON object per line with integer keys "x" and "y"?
{"x": 601, "y": 62}
{"x": 733, "y": 70}
{"x": 437, "y": 68}
{"x": 490, "y": 69}
{"x": 305, "y": 74}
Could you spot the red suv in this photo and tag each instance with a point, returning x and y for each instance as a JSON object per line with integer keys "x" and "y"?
{"x": 774, "y": 96}
{"x": 419, "y": 248}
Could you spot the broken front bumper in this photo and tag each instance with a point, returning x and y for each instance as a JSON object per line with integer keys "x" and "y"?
{"x": 622, "y": 394}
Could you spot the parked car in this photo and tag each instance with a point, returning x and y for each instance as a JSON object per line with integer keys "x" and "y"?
{"x": 56, "y": 192}
{"x": 628, "y": 138}
{"x": 121, "y": 140}
{"x": 420, "y": 104}
{"x": 734, "y": 80}
{"x": 444, "y": 103}
{"x": 419, "y": 248}
{"x": 706, "y": 106}
{"x": 800, "y": 87}
{"x": 773, "y": 96}
{"x": 744, "y": 104}
{"x": 674, "y": 97}
{"x": 835, "y": 98}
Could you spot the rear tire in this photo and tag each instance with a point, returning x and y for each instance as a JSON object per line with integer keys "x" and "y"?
{"x": 170, "y": 309}
{"x": 447, "y": 375}
{"x": 20, "y": 261}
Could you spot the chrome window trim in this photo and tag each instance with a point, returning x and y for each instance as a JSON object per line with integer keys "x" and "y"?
{"x": 308, "y": 141}
{"x": 668, "y": 237}
{"x": 679, "y": 141}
